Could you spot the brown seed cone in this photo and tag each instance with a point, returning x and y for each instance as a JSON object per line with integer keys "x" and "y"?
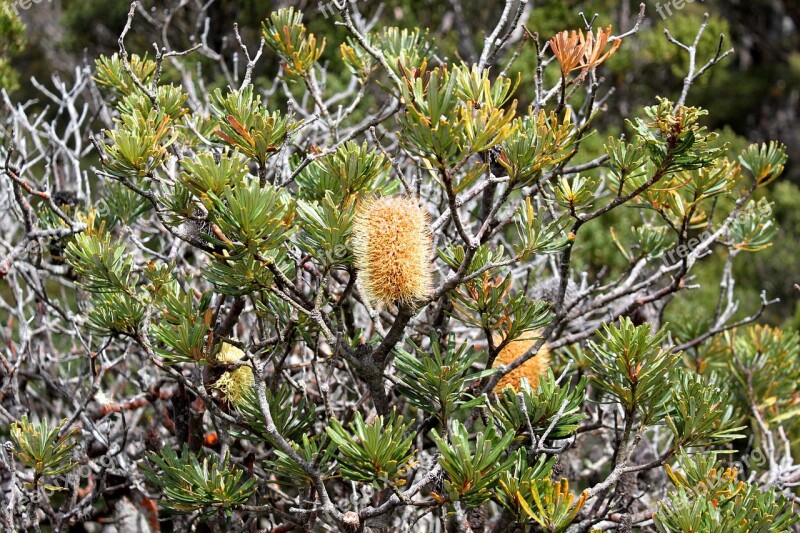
{"x": 392, "y": 244}
{"x": 532, "y": 369}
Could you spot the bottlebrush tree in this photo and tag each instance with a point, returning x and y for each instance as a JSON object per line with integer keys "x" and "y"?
{"x": 353, "y": 297}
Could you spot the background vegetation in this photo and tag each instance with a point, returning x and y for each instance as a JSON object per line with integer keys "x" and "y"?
{"x": 315, "y": 268}
{"x": 752, "y": 96}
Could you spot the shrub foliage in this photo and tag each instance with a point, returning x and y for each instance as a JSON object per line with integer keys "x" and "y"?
{"x": 352, "y": 296}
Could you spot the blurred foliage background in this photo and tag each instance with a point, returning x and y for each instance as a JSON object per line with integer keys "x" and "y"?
{"x": 754, "y": 94}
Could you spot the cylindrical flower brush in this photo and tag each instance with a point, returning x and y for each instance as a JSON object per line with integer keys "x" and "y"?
{"x": 392, "y": 244}
{"x": 532, "y": 369}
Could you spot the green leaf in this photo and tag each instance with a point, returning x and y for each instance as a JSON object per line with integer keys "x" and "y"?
{"x": 709, "y": 497}
{"x": 285, "y": 33}
{"x": 109, "y": 73}
{"x": 39, "y": 446}
{"x": 550, "y": 408}
{"x": 352, "y": 169}
{"x": 325, "y": 231}
{"x": 702, "y": 413}
{"x": 630, "y": 366}
{"x": 765, "y": 162}
{"x": 208, "y": 172}
{"x": 516, "y": 485}
{"x": 434, "y": 379}
{"x": 189, "y": 485}
{"x": 246, "y": 125}
{"x": 539, "y": 141}
{"x": 252, "y": 219}
{"x": 473, "y": 469}
{"x": 292, "y": 421}
{"x": 378, "y": 453}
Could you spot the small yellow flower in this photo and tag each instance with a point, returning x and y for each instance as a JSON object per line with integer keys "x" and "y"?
{"x": 236, "y": 383}
{"x": 532, "y": 369}
{"x": 392, "y": 244}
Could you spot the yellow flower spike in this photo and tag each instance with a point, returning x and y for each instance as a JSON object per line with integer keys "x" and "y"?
{"x": 392, "y": 244}
{"x": 236, "y": 383}
{"x": 229, "y": 353}
{"x": 532, "y": 369}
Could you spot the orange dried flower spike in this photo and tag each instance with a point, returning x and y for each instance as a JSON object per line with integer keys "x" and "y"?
{"x": 574, "y": 50}
{"x": 532, "y": 369}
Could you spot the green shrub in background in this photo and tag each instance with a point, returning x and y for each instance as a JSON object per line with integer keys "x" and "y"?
{"x": 13, "y": 32}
